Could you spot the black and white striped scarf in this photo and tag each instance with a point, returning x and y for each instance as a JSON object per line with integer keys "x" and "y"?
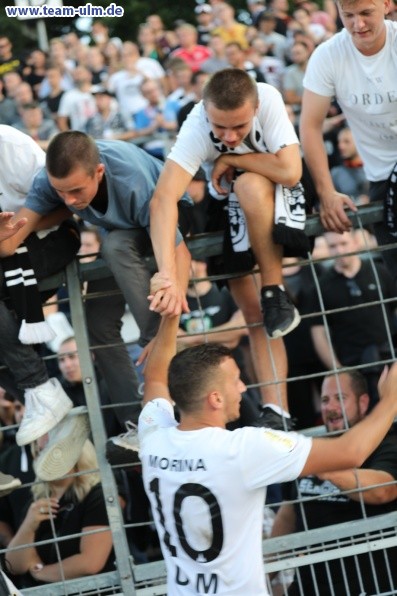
{"x": 390, "y": 203}
{"x": 24, "y": 295}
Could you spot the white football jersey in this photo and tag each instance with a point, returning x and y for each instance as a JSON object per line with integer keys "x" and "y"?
{"x": 207, "y": 490}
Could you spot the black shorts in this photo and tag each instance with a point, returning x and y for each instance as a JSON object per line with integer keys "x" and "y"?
{"x": 377, "y": 190}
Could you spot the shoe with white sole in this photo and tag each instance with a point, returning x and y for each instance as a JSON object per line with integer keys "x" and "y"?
{"x": 45, "y": 406}
{"x": 65, "y": 443}
{"x": 279, "y": 314}
{"x": 7, "y": 484}
{"x": 124, "y": 449}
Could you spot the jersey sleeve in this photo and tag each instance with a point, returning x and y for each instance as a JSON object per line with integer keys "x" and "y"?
{"x": 269, "y": 456}
{"x": 158, "y": 413}
{"x": 22, "y": 160}
{"x": 33, "y": 161}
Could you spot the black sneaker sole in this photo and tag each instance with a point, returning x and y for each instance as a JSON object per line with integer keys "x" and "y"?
{"x": 8, "y": 488}
{"x": 118, "y": 456}
{"x": 268, "y": 418}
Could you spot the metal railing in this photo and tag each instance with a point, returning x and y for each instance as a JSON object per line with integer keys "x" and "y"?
{"x": 282, "y": 553}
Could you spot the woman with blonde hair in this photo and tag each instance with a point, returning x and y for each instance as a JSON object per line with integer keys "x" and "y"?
{"x": 72, "y": 505}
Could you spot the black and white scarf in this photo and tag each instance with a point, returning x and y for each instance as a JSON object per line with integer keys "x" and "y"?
{"x": 24, "y": 295}
{"x": 289, "y": 221}
{"x": 290, "y": 204}
{"x": 390, "y": 203}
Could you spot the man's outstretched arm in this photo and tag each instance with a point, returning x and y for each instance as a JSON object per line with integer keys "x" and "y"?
{"x": 14, "y": 228}
{"x": 170, "y": 187}
{"x": 374, "y": 487}
{"x": 163, "y": 346}
{"x": 14, "y": 231}
{"x": 162, "y": 352}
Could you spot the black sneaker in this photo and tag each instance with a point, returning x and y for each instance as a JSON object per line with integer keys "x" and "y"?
{"x": 270, "y": 419}
{"x": 124, "y": 449}
{"x": 279, "y": 314}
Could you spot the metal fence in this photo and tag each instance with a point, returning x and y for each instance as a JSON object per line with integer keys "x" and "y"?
{"x": 280, "y": 554}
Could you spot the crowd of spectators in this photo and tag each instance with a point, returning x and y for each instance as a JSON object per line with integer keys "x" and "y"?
{"x": 273, "y": 45}
{"x": 140, "y": 91}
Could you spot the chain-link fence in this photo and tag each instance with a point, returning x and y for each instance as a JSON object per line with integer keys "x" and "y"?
{"x": 283, "y": 555}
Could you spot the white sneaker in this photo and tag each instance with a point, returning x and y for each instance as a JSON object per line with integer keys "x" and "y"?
{"x": 45, "y": 406}
{"x": 65, "y": 443}
{"x": 124, "y": 449}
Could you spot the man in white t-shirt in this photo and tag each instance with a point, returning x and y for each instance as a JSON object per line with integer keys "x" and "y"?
{"x": 126, "y": 83}
{"x": 241, "y": 136}
{"x": 77, "y": 105}
{"x": 207, "y": 485}
{"x": 358, "y": 67}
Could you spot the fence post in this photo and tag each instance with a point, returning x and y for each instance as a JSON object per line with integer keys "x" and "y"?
{"x": 121, "y": 548}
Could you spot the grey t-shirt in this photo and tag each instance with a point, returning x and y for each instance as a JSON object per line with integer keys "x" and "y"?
{"x": 131, "y": 176}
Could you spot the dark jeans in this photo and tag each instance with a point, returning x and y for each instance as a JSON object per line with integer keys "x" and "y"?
{"x": 123, "y": 251}
{"x": 103, "y": 315}
{"x": 25, "y": 367}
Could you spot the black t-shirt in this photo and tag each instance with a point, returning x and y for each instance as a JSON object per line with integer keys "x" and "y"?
{"x": 16, "y": 461}
{"x": 12, "y": 64}
{"x": 353, "y": 330}
{"x": 52, "y": 103}
{"x": 72, "y": 517}
{"x": 334, "y": 508}
{"x": 33, "y": 78}
{"x": 208, "y": 311}
{"x": 302, "y": 357}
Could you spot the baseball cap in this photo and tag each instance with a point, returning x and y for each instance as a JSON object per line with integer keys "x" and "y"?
{"x": 203, "y": 8}
{"x": 100, "y": 89}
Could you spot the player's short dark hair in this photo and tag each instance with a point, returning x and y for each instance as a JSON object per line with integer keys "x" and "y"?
{"x": 70, "y": 149}
{"x": 191, "y": 372}
{"x": 229, "y": 89}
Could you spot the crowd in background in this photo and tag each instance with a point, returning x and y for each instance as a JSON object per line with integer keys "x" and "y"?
{"x": 126, "y": 89}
